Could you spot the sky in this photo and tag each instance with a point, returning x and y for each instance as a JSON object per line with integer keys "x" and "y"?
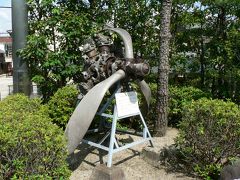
{"x": 5, "y": 16}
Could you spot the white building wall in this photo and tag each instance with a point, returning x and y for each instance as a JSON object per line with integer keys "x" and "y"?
{"x": 2, "y": 46}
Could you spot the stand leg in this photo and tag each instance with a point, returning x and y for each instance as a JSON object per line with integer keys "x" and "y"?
{"x": 145, "y": 129}
{"x": 104, "y": 138}
{"x": 144, "y": 133}
{"x": 112, "y": 139}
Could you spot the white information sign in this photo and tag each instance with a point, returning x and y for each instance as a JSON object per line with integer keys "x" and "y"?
{"x": 127, "y": 104}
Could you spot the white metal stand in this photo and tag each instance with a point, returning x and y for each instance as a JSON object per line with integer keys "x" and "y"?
{"x": 114, "y": 147}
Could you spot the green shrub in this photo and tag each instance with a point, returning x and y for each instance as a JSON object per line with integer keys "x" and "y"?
{"x": 209, "y": 135}
{"x": 178, "y": 97}
{"x": 62, "y": 105}
{"x": 31, "y": 147}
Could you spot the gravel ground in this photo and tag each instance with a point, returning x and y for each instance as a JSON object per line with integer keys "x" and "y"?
{"x": 135, "y": 168}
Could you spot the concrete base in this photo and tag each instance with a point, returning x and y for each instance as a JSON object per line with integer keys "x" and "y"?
{"x": 151, "y": 155}
{"x": 102, "y": 172}
{"x": 231, "y": 171}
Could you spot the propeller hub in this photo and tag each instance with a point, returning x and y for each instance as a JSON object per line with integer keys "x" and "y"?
{"x": 136, "y": 69}
{"x": 142, "y": 69}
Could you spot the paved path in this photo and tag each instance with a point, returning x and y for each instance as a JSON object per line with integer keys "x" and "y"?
{"x": 5, "y": 81}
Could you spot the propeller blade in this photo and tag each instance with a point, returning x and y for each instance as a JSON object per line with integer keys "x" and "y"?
{"x": 147, "y": 94}
{"x": 127, "y": 40}
{"x": 86, "y": 110}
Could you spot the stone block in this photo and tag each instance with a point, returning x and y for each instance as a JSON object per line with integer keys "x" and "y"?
{"x": 102, "y": 172}
{"x": 151, "y": 155}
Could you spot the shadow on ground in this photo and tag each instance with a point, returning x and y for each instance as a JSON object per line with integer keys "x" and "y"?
{"x": 83, "y": 150}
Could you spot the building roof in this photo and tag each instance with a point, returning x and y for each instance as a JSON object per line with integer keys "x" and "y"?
{"x": 5, "y": 39}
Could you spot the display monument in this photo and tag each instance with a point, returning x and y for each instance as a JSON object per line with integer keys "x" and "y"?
{"x": 106, "y": 70}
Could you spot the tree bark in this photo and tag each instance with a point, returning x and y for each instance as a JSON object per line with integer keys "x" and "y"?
{"x": 163, "y": 69}
{"x": 202, "y": 61}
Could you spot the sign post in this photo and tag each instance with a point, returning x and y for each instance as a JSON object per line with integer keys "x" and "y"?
{"x": 127, "y": 104}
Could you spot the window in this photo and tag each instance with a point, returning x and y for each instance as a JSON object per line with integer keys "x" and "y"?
{"x": 8, "y": 50}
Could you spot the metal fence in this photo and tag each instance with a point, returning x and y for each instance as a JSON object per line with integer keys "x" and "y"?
{"x": 34, "y": 91}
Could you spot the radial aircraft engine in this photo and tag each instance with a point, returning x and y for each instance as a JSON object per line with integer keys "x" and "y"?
{"x": 102, "y": 71}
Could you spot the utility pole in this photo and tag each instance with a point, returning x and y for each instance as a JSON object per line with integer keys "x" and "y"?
{"x": 21, "y": 83}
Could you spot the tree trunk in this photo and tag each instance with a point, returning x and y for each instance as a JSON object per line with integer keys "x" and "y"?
{"x": 163, "y": 69}
{"x": 202, "y": 62}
